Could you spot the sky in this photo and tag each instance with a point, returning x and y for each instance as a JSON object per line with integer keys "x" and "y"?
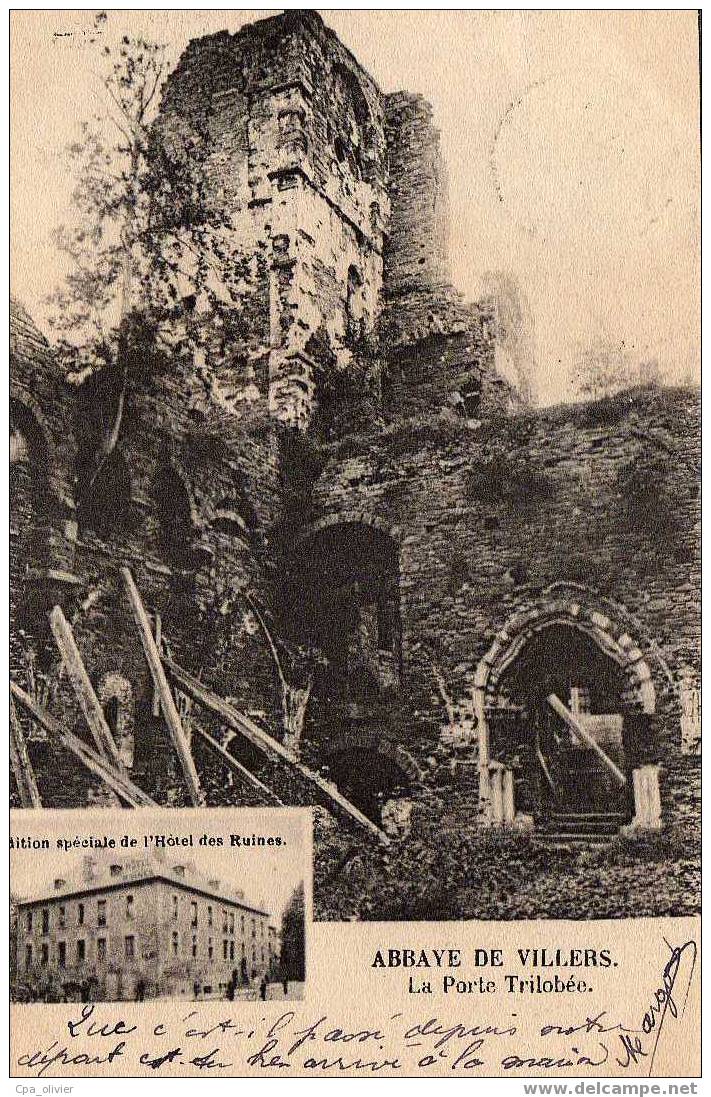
{"x": 571, "y": 141}
{"x": 266, "y": 874}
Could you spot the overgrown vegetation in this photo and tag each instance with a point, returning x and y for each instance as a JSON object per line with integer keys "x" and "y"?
{"x": 501, "y": 875}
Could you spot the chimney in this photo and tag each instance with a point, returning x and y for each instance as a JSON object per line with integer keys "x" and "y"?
{"x": 59, "y": 883}
{"x": 213, "y": 883}
{"x": 179, "y": 870}
{"x": 91, "y": 866}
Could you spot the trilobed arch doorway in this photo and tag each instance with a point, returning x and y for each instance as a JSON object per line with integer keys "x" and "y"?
{"x": 567, "y": 731}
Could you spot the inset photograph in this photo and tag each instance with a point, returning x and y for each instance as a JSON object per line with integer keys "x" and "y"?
{"x": 167, "y": 904}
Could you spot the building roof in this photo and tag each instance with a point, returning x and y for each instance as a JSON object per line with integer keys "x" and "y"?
{"x": 93, "y": 877}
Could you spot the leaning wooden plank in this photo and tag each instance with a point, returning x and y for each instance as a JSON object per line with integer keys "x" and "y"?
{"x": 88, "y": 701}
{"x": 21, "y": 764}
{"x": 170, "y": 712}
{"x": 236, "y": 766}
{"x": 117, "y": 781}
{"x": 575, "y": 726}
{"x": 261, "y": 739}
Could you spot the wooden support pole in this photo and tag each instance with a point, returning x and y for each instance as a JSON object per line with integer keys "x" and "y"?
{"x": 576, "y": 727}
{"x": 170, "y": 712}
{"x": 159, "y": 640}
{"x": 114, "y": 778}
{"x": 236, "y": 766}
{"x": 261, "y": 739}
{"x": 21, "y": 764}
{"x": 89, "y": 702}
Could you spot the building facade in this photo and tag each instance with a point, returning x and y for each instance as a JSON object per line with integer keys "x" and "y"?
{"x": 351, "y": 458}
{"x": 141, "y": 929}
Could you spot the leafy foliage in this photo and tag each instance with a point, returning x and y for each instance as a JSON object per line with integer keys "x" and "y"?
{"x": 293, "y": 951}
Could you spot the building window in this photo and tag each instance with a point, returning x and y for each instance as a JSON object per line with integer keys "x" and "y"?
{"x": 101, "y": 950}
{"x": 175, "y": 944}
{"x": 62, "y": 916}
{"x": 232, "y": 950}
{"x": 471, "y": 397}
{"x": 29, "y": 921}
{"x": 101, "y": 912}
{"x": 243, "y": 950}
{"x": 115, "y": 870}
{"x": 28, "y": 956}
{"x": 62, "y": 953}
{"x": 254, "y": 928}
{"x": 354, "y": 304}
{"x": 210, "y": 949}
{"x": 130, "y": 948}
{"x": 209, "y": 916}
{"x": 45, "y": 920}
{"x": 232, "y": 923}
{"x": 224, "y": 921}
{"x": 45, "y": 955}
{"x": 254, "y": 954}
{"x": 242, "y": 924}
{"x": 80, "y": 914}
{"x": 193, "y": 914}
{"x": 262, "y": 955}
{"x": 262, "y": 928}
{"x": 129, "y": 906}
{"x": 81, "y": 951}
{"x": 225, "y": 947}
{"x": 175, "y": 908}
{"x": 194, "y": 946}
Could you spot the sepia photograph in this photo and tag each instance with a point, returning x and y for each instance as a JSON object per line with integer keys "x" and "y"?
{"x": 355, "y": 458}
{"x": 169, "y": 905}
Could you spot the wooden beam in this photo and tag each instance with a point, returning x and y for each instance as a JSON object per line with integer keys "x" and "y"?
{"x": 88, "y": 701}
{"x": 114, "y": 778}
{"x": 170, "y": 712}
{"x": 575, "y": 726}
{"x": 268, "y": 745}
{"x": 236, "y": 766}
{"x": 21, "y": 764}
{"x": 158, "y": 639}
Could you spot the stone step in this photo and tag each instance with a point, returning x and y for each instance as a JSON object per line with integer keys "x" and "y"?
{"x": 556, "y": 838}
{"x": 586, "y": 827}
{"x": 587, "y": 815}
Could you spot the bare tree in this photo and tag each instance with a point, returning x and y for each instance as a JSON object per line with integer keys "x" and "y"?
{"x": 305, "y": 662}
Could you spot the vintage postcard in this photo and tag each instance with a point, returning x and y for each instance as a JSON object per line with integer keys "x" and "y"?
{"x": 354, "y": 605}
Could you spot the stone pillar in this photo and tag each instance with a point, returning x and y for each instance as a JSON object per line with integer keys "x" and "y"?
{"x": 483, "y": 738}
{"x": 508, "y": 790}
{"x": 496, "y": 792}
{"x": 647, "y": 801}
{"x": 502, "y": 810}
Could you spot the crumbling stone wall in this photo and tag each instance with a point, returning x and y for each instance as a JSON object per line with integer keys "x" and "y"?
{"x": 488, "y": 517}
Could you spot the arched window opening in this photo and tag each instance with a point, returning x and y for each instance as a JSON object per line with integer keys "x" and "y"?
{"x": 31, "y": 515}
{"x": 235, "y": 516}
{"x": 116, "y": 699}
{"x": 370, "y": 779}
{"x": 104, "y": 502}
{"x": 175, "y": 517}
{"x": 471, "y": 395}
{"x": 345, "y": 600}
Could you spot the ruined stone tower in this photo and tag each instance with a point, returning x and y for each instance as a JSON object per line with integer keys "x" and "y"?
{"x": 336, "y": 199}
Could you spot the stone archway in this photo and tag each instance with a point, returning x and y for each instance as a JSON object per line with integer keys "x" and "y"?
{"x": 576, "y": 619}
{"x": 377, "y": 775}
